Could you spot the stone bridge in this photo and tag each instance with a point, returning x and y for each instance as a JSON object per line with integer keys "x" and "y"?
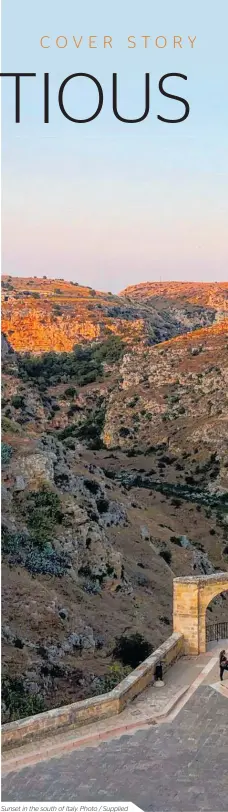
{"x": 191, "y": 597}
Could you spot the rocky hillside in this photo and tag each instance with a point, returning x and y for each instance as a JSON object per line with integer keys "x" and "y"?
{"x": 114, "y": 463}
{"x": 212, "y": 295}
{"x": 194, "y": 305}
{"x": 40, "y": 315}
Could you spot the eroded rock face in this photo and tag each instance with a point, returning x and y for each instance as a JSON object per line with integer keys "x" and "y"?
{"x": 201, "y": 564}
{"x": 36, "y": 469}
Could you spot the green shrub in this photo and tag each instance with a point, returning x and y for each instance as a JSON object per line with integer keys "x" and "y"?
{"x": 19, "y": 703}
{"x": 70, "y": 392}
{"x": 17, "y": 401}
{"x": 89, "y": 431}
{"x": 42, "y": 510}
{"x": 69, "y": 443}
{"x": 116, "y": 673}
{"x": 6, "y": 453}
{"x": 132, "y": 650}
{"x": 110, "y": 350}
{"x": 10, "y": 425}
{"x": 84, "y": 364}
{"x": 52, "y": 368}
{"x": 26, "y": 551}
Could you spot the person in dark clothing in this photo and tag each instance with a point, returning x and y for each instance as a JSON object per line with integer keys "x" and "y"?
{"x": 223, "y": 663}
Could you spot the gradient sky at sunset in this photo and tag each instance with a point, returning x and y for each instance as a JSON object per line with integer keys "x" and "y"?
{"x": 110, "y": 204}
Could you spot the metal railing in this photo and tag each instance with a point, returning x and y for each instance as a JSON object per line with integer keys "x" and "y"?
{"x": 216, "y": 631}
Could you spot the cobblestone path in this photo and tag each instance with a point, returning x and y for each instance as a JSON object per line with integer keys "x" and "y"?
{"x": 174, "y": 767}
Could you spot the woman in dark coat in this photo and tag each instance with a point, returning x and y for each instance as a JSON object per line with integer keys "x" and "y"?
{"x": 223, "y": 663}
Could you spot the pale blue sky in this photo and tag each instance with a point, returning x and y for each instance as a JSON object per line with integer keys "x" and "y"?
{"x": 105, "y": 203}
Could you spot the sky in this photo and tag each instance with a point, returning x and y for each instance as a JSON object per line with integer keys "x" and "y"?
{"x": 106, "y": 203}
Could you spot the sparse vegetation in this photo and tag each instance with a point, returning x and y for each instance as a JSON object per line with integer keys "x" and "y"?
{"x": 116, "y": 673}
{"x": 35, "y": 555}
{"x": 17, "y": 702}
{"x": 42, "y": 511}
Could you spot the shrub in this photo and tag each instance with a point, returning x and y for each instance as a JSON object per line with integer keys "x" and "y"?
{"x": 91, "y": 485}
{"x": 69, "y": 442}
{"x": 19, "y": 703}
{"x": 17, "y": 401}
{"x": 116, "y": 673}
{"x": 124, "y": 431}
{"x": 102, "y": 505}
{"x": 164, "y": 619}
{"x": 176, "y": 540}
{"x": 52, "y": 367}
{"x": 176, "y": 502}
{"x": 110, "y": 350}
{"x": 73, "y": 408}
{"x": 70, "y": 392}
{"x": 10, "y": 425}
{"x": 6, "y": 453}
{"x": 91, "y": 429}
{"x": 24, "y": 550}
{"x": 166, "y": 554}
{"x": 42, "y": 510}
{"x": 132, "y": 650}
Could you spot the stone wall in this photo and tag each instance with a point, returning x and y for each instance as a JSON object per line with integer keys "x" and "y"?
{"x": 98, "y": 707}
{"x": 191, "y": 597}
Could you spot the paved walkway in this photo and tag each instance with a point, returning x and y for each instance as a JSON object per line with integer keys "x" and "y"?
{"x": 180, "y": 764}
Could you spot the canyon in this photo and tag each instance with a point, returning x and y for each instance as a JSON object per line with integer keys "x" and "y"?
{"x": 114, "y": 476}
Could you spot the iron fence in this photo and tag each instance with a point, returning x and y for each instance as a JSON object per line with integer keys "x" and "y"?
{"x": 217, "y": 631}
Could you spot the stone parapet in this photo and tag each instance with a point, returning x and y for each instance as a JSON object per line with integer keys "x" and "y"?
{"x": 97, "y": 707}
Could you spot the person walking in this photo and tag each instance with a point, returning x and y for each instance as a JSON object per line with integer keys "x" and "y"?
{"x": 223, "y": 663}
